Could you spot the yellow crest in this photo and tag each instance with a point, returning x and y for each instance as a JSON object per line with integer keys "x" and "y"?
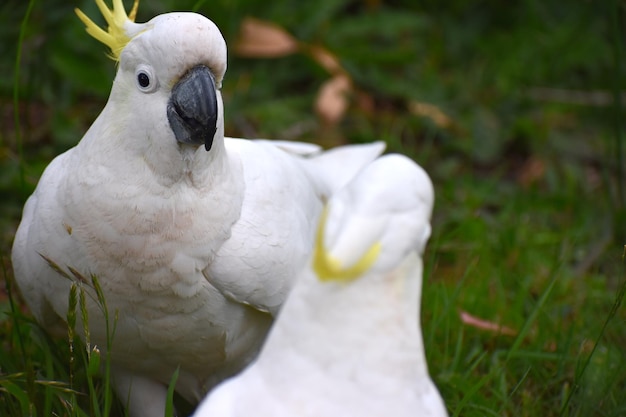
{"x": 115, "y": 37}
{"x": 328, "y": 268}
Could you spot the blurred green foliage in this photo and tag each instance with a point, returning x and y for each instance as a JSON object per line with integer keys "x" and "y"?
{"x": 530, "y": 217}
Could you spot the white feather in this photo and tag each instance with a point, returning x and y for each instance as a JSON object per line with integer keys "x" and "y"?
{"x": 350, "y": 348}
{"x": 192, "y": 248}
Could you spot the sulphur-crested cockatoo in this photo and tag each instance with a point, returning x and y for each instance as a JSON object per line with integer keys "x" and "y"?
{"x": 347, "y": 341}
{"x": 193, "y": 237}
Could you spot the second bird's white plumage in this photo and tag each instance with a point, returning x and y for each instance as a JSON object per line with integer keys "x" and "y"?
{"x": 350, "y": 347}
{"x": 194, "y": 250}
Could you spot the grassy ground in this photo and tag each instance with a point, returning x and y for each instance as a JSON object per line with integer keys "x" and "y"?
{"x": 515, "y": 109}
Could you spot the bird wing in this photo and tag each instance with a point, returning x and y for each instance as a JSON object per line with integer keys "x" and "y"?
{"x": 43, "y": 224}
{"x": 283, "y": 198}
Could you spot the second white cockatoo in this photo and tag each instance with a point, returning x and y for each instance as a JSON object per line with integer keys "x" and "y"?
{"x": 348, "y": 340}
{"x": 194, "y": 238}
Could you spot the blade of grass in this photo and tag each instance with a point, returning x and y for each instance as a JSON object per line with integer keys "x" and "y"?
{"x": 26, "y": 359}
{"x": 612, "y": 313}
{"x": 169, "y": 401}
{"x": 14, "y": 314}
{"x": 618, "y": 108}
{"x": 71, "y": 328}
{"x": 110, "y": 333}
{"x": 531, "y": 318}
{"x": 514, "y": 390}
{"x": 469, "y": 394}
{"x": 197, "y": 5}
{"x": 26, "y": 405}
{"x": 16, "y": 93}
{"x": 87, "y": 354}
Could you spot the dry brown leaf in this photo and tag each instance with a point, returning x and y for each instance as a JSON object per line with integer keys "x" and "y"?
{"x": 332, "y": 99}
{"x": 326, "y": 59}
{"x": 365, "y": 102}
{"x": 260, "y": 39}
{"x": 431, "y": 111}
{"x": 533, "y": 170}
{"x": 473, "y": 321}
{"x": 373, "y": 4}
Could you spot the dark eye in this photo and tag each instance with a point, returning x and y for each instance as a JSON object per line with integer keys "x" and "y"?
{"x": 143, "y": 79}
{"x": 146, "y": 81}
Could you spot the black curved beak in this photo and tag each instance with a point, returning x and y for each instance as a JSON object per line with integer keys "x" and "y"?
{"x": 192, "y": 108}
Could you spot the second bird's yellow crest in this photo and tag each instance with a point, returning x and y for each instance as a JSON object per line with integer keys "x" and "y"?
{"x": 329, "y": 268}
{"x": 115, "y": 37}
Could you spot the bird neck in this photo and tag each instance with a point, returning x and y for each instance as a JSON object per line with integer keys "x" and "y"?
{"x": 369, "y": 328}
{"x": 152, "y": 150}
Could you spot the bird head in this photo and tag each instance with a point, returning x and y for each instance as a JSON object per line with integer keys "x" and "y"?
{"x": 375, "y": 221}
{"x": 170, "y": 69}
{"x": 332, "y": 268}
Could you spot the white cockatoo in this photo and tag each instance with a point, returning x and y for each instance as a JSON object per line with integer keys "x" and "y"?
{"x": 194, "y": 238}
{"x": 348, "y": 340}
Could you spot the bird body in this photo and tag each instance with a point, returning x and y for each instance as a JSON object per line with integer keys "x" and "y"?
{"x": 195, "y": 247}
{"x": 348, "y": 341}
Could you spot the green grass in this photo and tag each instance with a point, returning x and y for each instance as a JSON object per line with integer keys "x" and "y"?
{"x": 530, "y": 218}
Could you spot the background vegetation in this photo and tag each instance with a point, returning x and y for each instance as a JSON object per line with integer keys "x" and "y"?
{"x": 514, "y": 108}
